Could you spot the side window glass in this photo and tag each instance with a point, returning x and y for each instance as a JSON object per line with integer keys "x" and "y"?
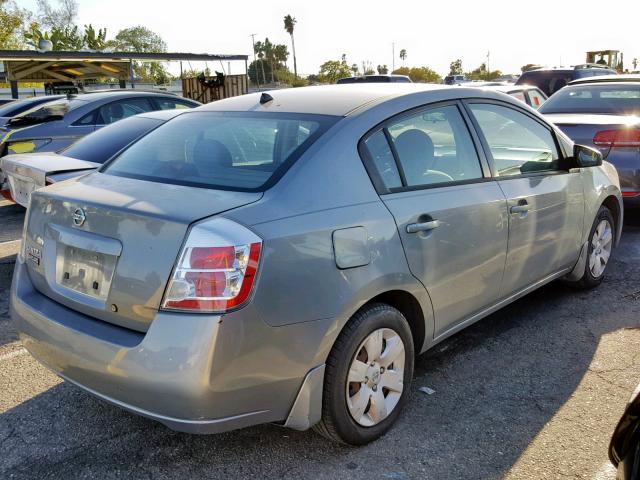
{"x": 172, "y": 104}
{"x": 517, "y": 142}
{"x": 383, "y": 160}
{"x": 88, "y": 120}
{"x": 114, "y": 111}
{"x": 535, "y": 98}
{"x": 434, "y": 146}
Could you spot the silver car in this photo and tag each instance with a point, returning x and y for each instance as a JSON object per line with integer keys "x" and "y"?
{"x": 282, "y": 257}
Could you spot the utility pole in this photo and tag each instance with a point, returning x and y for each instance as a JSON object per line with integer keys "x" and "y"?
{"x": 393, "y": 54}
{"x": 255, "y": 65}
{"x": 488, "y": 55}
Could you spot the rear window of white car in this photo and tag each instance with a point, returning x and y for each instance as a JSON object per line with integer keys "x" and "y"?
{"x": 243, "y": 151}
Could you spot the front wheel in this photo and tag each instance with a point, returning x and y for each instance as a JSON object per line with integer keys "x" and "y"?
{"x": 599, "y": 249}
{"x": 367, "y": 377}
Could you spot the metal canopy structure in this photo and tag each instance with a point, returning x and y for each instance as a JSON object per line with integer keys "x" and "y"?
{"x": 74, "y": 66}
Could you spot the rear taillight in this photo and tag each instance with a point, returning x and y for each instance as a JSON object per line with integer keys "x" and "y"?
{"x": 624, "y": 137}
{"x": 630, "y": 194}
{"x": 216, "y": 268}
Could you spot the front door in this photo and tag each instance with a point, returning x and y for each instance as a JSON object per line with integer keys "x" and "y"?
{"x": 545, "y": 200}
{"x": 451, "y": 218}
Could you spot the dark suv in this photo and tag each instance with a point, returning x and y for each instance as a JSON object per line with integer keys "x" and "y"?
{"x": 550, "y": 80}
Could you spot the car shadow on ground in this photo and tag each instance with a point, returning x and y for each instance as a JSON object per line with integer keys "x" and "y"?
{"x": 496, "y": 385}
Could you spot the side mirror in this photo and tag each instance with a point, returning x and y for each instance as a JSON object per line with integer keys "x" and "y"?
{"x": 586, "y": 156}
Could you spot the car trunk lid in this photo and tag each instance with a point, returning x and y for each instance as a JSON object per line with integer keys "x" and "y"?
{"x": 106, "y": 245}
{"x": 582, "y": 128}
{"x": 28, "y": 172}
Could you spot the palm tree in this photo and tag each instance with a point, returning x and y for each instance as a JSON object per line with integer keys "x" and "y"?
{"x": 403, "y": 55}
{"x": 259, "y": 49}
{"x": 289, "y": 23}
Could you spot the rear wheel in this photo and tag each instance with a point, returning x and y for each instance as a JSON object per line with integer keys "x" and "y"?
{"x": 599, "y": 249}
{"x": 367, "y": 377}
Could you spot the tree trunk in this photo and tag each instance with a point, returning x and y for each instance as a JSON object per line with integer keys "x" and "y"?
{"x": 293, "y": 47}
{"x": 264, "y": 78}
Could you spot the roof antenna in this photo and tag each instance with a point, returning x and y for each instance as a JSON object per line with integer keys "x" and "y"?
{"x": 265, "y": 98}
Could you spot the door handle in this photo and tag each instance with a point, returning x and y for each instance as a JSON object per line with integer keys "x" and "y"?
{"x": 523, "y": 208}
{"x": 423, "y": 227}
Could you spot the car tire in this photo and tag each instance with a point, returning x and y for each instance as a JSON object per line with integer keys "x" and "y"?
{"x": 599, "y": 247}
{"x": 375, "y": 327}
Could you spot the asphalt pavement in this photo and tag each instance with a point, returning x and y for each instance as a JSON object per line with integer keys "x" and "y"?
{"x": 532, "y": 392}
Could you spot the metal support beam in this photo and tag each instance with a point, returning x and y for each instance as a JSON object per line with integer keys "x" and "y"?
{"x": 14, "y": 88}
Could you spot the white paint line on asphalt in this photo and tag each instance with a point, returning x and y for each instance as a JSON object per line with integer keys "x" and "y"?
{"x": 606, "y": 472}
{"x": 15, "y": 353}
{"x": 8, "y": 242}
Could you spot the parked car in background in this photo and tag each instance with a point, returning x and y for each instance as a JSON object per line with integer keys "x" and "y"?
{"x": 624, "y": 449}
{"x": 604, "y": 114}
{"x": 15, "y": 107}
{"x": 550, "y": 80}
{"x": 455, "y": 79}
{"x": 283, "y": 257}
{"x": 386, "y": 78}
{"x": 55, "y": 125}
{"x": 29, "y": 171}
{"x": 532, "y": 96}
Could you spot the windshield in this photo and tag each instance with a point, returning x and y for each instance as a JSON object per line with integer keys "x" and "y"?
{"x": 17, "y": 106}
{"x": 609, "y": 99}
{"x": 106, "y": 142}
{"x": 47, "y": 111}
{"x": 244, "y": 151}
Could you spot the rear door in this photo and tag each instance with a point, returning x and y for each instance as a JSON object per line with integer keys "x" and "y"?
{"x": 546, "y": 201}
{"x": 451, "y": 217}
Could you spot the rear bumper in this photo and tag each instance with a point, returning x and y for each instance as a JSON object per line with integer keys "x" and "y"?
{"x": 193, "y": 373}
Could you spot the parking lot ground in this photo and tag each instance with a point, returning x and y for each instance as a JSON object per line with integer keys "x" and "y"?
{"x": 531, "y": 392}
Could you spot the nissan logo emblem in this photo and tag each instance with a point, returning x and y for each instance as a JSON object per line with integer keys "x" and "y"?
{"x": 79, "y": 217}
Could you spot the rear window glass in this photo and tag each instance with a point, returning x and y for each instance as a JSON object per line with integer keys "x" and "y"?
{"x": 608, "y": 99}
{"x": 106, "y": 142}
{"x": 227, "y": 150}
{"x": 56, "y": 109}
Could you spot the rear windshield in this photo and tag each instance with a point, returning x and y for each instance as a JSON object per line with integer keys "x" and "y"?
{"x": 100, "y": 146}
{"x": 17, "y": 106}
{"x": 243, "y": 151}
{"x": 610, "y": 99}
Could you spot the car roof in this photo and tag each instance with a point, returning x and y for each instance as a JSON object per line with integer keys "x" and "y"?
{"x": 337, "y": 100}
{"x": 93, "y": 96}
{"x": 627, "y": 78}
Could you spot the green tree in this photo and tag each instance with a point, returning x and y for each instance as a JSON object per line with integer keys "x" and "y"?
{"x": 141, "y": 39}
{"x": 419, "y": 74}
{"x": 481, "y": 73}
{"x": 333, "y": 70}
{"x": 528, "y": 66}
{"x": 95, "y": 40}
{"x": 455, "y": 68}
{"x": 403, "y": 55}
{"x": 354, "y": 69}
{"x": 382, "y": 69}
{"x": 289, "y": 25}
{"x": 12, "y": 19}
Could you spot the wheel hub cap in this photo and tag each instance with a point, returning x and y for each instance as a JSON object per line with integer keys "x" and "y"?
{"x": 601, "y": 242}
{"x": 375, "y": 378}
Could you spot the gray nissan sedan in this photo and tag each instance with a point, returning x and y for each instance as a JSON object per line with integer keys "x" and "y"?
{"x": 282, "y": 257}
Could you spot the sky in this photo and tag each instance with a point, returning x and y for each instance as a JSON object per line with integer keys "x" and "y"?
{"x": 434, "y": 33}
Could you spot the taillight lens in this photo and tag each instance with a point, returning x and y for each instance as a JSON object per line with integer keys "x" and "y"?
{"x": 216, "y": 268}
{"x": 624, "y": 137}
{"x": 630, "y": 194}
